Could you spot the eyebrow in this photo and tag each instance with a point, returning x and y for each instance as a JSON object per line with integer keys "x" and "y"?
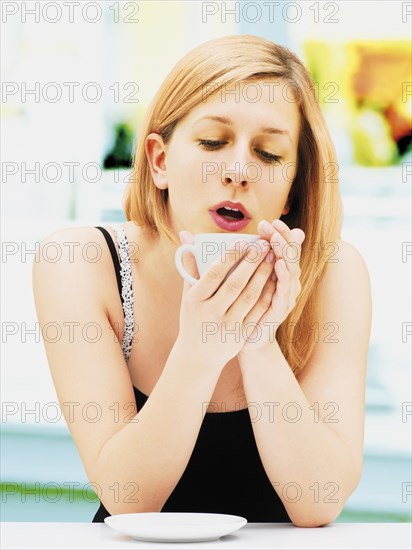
{"x": 264, "y": 130}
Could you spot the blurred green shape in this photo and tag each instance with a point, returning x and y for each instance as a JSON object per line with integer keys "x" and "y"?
{"x": 121, "y": 153}
{"x": 372, "y": 139}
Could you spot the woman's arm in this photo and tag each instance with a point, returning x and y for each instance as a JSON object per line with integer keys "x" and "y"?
{"x": 151, "y": 453}
{"x": 135, "y": 459}
{"x": 309, "y": 429}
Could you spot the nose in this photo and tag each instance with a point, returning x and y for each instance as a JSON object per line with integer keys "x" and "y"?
{"x": 234, "y": 176}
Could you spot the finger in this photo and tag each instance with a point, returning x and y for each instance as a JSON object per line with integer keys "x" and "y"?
{"x": 283, "y": 278}
{"x": 188, "y": 260}
{"x": 264, "y": 302}
{"x": 220, "y": 268}
{"x": 299, "y": 235}
{"x": 295, "y": 235}
{"x": 282, "y": 228}
{"x": 265, "y": 229}
{"x": 244, "y": 286}
{"x": 282, "y": 292}
{"x": 289, "y": 252}
{"x": 186, "y": 237}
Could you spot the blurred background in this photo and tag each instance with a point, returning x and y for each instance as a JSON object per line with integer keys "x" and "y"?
{"x": 76, "y": 82}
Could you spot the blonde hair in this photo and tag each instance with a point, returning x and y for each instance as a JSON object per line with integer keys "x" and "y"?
{"x": 314, "y": 198}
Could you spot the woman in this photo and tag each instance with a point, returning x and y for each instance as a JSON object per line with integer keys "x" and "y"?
{"x": 267, "y": 426}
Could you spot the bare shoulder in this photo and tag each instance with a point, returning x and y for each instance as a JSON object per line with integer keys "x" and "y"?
{"x": 345, "y": 287}
{"x": 349, "y": 252}
{"x": 82, "y": 235}
{"x": 346, "y": 262}
{"x": 345, "y": 298}
{"x": 79, "y": 259}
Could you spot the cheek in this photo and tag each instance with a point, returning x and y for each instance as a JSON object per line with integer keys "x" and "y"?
{"x": 184, "y": 172}
{"x": 273, "y": 195}
{"x": 278, "y": 180}
{"x": 183, "y": 184}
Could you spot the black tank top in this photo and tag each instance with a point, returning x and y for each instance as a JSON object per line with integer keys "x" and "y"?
{"x": 224, "y": 474}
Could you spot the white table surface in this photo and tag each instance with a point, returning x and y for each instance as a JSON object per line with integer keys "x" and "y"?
{"x": 284, "y": 536}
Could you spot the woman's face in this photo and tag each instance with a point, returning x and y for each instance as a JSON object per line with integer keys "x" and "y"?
{"x": 246, "y": 153}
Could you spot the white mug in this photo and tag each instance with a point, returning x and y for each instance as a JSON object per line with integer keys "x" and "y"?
{"x": 206, "y": 248}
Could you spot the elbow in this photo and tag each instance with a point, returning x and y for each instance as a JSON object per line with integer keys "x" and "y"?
{"x": 330, "y": 512}
{"x": 312, "y": 523}
{"x": 114, "y": 509}
{"x": 316, "y": 521}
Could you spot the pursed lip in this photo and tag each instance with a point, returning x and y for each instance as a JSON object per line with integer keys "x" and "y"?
{"x": 231, "y": 204}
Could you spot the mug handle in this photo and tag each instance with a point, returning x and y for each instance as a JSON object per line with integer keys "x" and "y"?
{"x": 178, "y": 260}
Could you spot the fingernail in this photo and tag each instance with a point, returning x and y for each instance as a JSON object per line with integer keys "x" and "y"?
{"x": 184, "y": 236}
{"x": 266, "y": 227}
{"x": 270, "y": 257}
{"x": 276, "y": 237}
{"x": 278, "y": 224}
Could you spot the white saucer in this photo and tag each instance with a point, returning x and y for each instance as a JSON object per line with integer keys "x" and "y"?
{"x": 175, "y": 526}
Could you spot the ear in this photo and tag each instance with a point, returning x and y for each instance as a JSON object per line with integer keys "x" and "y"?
{"x": 156, "y": 156}
{"x": 286, "y": 209}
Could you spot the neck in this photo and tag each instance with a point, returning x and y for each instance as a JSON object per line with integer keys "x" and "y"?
{"x": 159, "y": 260}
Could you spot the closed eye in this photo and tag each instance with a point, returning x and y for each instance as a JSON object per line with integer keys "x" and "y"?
{"x": 207, "y": 143}
{"x": 268, "y": 157}
{"x": 212, "y": 145}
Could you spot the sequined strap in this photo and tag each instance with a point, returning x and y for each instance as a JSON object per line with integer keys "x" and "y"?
{"x": 127, "y": 291}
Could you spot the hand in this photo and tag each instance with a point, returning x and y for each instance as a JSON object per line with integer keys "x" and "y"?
{"x": 277, "y": 302}
{"x": 215, "y": 310}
